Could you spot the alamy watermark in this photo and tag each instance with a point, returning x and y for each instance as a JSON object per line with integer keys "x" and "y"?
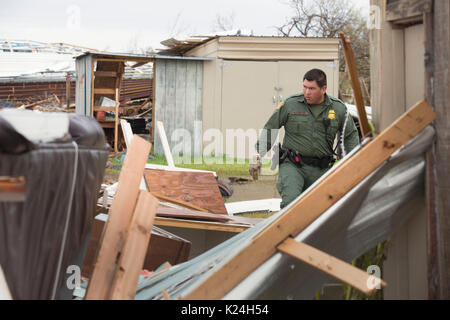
{"x": 213, "y": 146}
{"x": 74, "y": 279}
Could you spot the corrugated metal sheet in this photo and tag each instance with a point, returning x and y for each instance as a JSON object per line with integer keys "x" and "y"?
{"x": 84, "y": 85}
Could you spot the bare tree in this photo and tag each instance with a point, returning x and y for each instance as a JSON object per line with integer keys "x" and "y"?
{"x": 325, "y": 18}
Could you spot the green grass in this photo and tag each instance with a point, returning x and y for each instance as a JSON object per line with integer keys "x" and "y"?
{"x": 223, "y": 166}
{"x": 229, "y": 166}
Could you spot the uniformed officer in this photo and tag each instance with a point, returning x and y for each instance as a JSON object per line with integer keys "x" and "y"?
{"x": 311, "y": 121}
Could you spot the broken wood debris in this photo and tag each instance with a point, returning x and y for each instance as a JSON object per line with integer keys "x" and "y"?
{"x": 312, "y": 204}
{"x": 120, "y": 217}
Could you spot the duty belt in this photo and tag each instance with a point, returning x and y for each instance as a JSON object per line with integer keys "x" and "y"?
{"x": 299, "y": 160}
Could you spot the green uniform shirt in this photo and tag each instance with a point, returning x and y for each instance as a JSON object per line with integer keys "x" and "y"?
{"x": 305, "y": 132}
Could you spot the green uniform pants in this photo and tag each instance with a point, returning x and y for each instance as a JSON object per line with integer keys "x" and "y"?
{"x": 293, "y": 180}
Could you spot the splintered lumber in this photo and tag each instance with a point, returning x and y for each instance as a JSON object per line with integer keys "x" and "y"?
{"x": 313, "y": 203}
{"x": 120, "y": 216}
{"x": 353, "y": 73}
{"x": 197, "y": 188}
{"x": 337, "y": 268}
{"x": 164, "y": 246}
{"x": 135, "y": 249}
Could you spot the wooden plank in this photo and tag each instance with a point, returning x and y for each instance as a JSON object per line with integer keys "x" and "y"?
{"x": 91, "y": 107}
{"x": 119, "y": 219}
{"x": 127, "y": 132}
{"x": 12, "y": 184}
{"x": 104, "y": 91}
{"x": 165, "y": 144}
{"x": 198, "y": 188}
{"x": 116, "y": 117}
{"x": 12, "y": 188}
{"x": 170, "y": 212}
{"x": 202, "y": 225}
{"x": 167, "y": 168}
{"x": 353, "y": 74}
{"x": 327, "y": 192}
{"x": 135, "y": 249}
{"x": 105, "y": 74}
{"x": 337, "y": 268}
{"x": 128, "y": 136}
{"x": 102, "y": 108}
{"x": 437, "y": 53}
{"x": 179, "y": 202}
{"x": 407, "y": 11}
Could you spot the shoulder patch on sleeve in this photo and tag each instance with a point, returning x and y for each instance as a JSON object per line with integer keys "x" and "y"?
{"x": 280, "y": 105}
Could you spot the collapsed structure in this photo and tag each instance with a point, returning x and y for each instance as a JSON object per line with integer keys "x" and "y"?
{"x": 374, "y": 193}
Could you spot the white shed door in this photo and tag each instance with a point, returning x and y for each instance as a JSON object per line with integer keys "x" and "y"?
{"x": 251, "y": 90}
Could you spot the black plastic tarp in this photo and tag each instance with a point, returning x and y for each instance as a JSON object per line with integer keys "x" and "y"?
{"x": 48, "y": 232}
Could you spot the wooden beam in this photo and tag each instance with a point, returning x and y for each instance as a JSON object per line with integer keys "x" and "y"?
{"x": 112, "y": 74}
{"x": 92, "y": 86}
{"x": 337, "y": 268}
{"x": 104, "y": 91}
{"x": 12, "y": 184}
{"x": 353, "y": 73}
{"x": 116, "y": 117}
{"x": 138, "y": 64}
{"x": 135, "y": 249}
{"x": 437, "y": 52}
{"x": 327, "y": 192}
{"x": 165, "y": 144}
{"x": 407, "y": 11}
{"x": 119, "y": 219}
{"x": 201, "y": 225}
{"x": 102, "y": 108}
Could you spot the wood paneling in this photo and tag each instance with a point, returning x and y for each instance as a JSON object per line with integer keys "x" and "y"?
{"x": 198, "y": 188}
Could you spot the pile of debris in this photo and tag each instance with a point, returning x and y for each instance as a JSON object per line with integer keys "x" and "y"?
{"x": 45, "y": 104}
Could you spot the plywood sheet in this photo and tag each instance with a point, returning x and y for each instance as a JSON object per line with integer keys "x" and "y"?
{"x": 198, "y": 188}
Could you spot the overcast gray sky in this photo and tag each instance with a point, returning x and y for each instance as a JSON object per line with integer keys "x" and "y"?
{"x": 127, "y": 24}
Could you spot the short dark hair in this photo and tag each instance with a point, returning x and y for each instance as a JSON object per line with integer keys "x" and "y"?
{"x": 316, "y": 75}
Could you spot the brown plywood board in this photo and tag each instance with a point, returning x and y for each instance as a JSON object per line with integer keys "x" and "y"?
{"x": 198, "y": 188}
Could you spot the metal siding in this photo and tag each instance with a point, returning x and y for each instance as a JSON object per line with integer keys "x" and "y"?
{"x": 198, "y": 129}
{"x": 79, "y": 91}
{"x": 83, "y": 85}
{"x": 178, "y": 96}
